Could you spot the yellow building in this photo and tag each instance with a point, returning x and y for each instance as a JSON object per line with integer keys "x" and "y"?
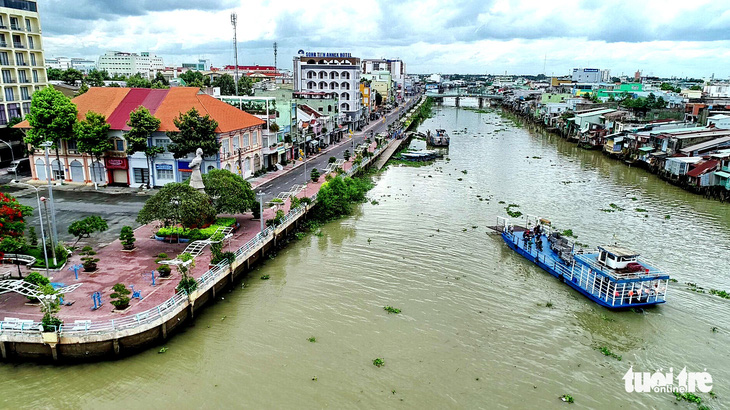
{"x": 365, "y": 93}
{"x": 21, "y": 58}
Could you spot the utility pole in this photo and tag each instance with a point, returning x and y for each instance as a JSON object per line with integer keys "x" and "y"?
{"x": 276, "y": 47}
{"x": 234, "y": 21}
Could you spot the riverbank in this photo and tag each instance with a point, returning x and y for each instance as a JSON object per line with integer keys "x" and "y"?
{"x": 627, "y": 157}
{"x": 91, "y": 334}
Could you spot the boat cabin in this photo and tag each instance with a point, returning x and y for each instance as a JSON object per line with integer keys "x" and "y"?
{"x": 617, "y": 258}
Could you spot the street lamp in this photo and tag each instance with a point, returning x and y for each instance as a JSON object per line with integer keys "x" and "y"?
{"x": 47, "y": 145}
{"x": 12, "y": 156}
{"x": 53, "y": 243}
{"x": 40, "y": 215}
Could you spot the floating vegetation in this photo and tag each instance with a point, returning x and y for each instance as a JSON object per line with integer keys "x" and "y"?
{"x": 312, "y": 339}
{"x": 606, "y": 318}
{"x": 673, "y": 280}
{"x": 163, "y": 350}
{"x": 314, "y": 378}
{"x": 633, "y": 198}
{"x": 379, "y": 362}
{"x": 690, "y": 397}
{"x": 549, "y": 304}
{"x": 721, "y": 293}
{"x": 607, "y": 352}
{"x": 391, "y": 309}
{"x": 300, "y": 235}
{"x": 502, "y": 202}
{"x": 510, "y": 212}
{"x": 536, "y": 157}
{"x": 714, "y": 329}
{"x": 616, "y": 207}
{"x": 641, "y": 210}
{"x": 694, "y": 288}
{"x": 667, "y": 216}
{"x": 319, "y": 234}
{"x": 464, "y": 172}
{"x": 265, "y": 277}
{"x": 569, "y": 233}
{"x": 374, "y": 202}
{"x": 459, "y": 179}
{"x": 567, "y": 398}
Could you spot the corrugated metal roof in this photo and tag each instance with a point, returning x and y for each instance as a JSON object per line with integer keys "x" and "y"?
{"x": 700, "y": 169}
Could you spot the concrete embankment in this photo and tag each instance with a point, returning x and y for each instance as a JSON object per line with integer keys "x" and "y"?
{"x": 132, "y": 333}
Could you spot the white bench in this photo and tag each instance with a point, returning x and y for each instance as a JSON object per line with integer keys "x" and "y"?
{"x": 26, "y": 259}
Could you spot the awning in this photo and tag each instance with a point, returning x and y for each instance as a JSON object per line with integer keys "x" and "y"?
{"x": 646, "y": 149}
{"x": 722, "y": 174}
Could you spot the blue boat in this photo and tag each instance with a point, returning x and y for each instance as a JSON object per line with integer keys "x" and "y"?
{"x": 612, "y": 276}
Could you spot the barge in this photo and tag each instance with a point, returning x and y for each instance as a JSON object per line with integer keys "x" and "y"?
{"x": 611, "y": 276}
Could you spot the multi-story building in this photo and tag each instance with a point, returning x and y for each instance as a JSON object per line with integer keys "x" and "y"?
{"x": 201, "y": 65}
{"x": 64, "y": 63}
{"x": 331, "y": 74}
{"x": 21, "y": 57}
{"x": 397, "y": 69}
{"x": 591, "y": 75}
{"x": 128, "y": 64}
{"x": 382, "y": 83}
{"x": 238, "y": 132}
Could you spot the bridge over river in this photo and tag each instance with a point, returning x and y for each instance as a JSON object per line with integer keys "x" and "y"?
{"x": 458, "y": 94}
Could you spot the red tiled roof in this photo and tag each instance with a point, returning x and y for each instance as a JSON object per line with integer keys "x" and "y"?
{"x": 702, "y": 168}
{"x": 116, "y": 104}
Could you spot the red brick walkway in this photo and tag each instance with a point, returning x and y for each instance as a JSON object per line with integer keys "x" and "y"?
{"x": 116, "y": 266}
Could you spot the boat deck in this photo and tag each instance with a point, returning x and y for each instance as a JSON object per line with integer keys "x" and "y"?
{"x": 637, "y": 291}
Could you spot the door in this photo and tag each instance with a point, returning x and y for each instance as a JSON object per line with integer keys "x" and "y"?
{"x": 77, "y": 171}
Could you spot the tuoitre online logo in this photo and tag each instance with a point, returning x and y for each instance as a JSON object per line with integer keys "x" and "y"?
{"x": 658, "y": 382}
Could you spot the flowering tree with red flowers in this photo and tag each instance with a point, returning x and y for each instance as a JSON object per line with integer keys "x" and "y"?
{"x": 12, "y": 223}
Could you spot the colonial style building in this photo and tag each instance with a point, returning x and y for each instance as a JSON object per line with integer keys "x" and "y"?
{"x": 336, "y": 74}
{"x": 21, "y": 57}
{"x": 238, "y": 132}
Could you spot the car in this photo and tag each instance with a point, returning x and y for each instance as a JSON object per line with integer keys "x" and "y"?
{"x": 19, "y": 166}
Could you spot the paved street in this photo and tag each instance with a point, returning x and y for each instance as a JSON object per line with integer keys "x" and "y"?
{"x": 297, "y": 176}
{"x": 122, "y": 209}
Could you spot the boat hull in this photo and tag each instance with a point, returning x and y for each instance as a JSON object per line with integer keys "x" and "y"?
{"x": 552, "y": 264}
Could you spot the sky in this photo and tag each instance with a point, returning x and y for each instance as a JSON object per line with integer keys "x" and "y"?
{"x": 659, "y": 37}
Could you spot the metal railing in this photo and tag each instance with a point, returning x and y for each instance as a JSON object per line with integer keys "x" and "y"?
{"x": 157, "y": 315}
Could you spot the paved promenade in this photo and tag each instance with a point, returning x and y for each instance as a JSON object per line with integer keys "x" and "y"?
{"x": 129, "y": 268}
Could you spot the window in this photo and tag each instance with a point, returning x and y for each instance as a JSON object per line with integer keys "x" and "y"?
{"x": 32, "y": 59}
{"x": 164, "y": 174}
{"x": 9, "y": 94}
{"x": 246, "y": 140}
{"x": 162, "y": 142}
{"x": 26, "y": 107}
{"x": 27, "y": 25}
{"x": 141, "y": 176}
{"x": 23, "y": 77}
{"x": 71, "y": 145}
{"x": 236, "y": 141}
{"x": 3, "y": 118}
{"x": 4, "y": 58}
{"x": 119, "y": 145}
{"x": 7, "y": 77}
{"x": 24, "y": 95}
{"x": 35, "y": 76}
{"x": 30, "y": 43}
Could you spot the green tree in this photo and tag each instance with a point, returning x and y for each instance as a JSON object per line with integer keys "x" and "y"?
{"x": 226, "y": 83}
{"x": 137, "y": 81}
{"x": 92, "y": 136}
{"x": 114, "y": 85}
{"x": 159, "y": 78}
{"x": 83, "y": 89}
{"x": 194, "y": 78}
{"x": 695, "y": 88}
{"x": 126, "y": 236}
{"x": 52, "y": 117}
{"x": 245, "y": 86}
{"x": 83, "y": 228}
{"x": 660, "y": 103}
{"x": 71, "y": 76}
{"x": 378, "y": 98}
{"x": 120, "y": 297}
{"x": 195, "y": 131}
{"x": 142, "y": 124}
{"x": 54, "y": 74}
{"x": 230, "y": 193}
{"x": 178, "y": 202}
{"x": 96, "y": 78}
{"x": 336, "y": 196}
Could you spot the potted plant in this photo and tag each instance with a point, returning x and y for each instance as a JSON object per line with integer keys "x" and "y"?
{"x": 127, "y": 238}
{"x": 164, "y": 271}
{"x": 120, "y": 297}
{"x": 347, "y": 155}
{"x": 87, "y": 259}
{"x": 315, "y": 175}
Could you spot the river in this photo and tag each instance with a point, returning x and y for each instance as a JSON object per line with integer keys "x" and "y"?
{"x": 475, "y": 329}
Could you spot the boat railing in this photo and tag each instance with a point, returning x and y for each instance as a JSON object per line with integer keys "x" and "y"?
{"x": 593, "y": 263}
{"x": 617, "y": 293}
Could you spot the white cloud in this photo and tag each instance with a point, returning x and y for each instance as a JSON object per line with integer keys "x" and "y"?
{"x": 663, "y": 37}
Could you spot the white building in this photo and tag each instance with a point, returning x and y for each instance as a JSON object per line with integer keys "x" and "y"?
{"x": 718, "y": 90}
{"x": 128, "y": 64}
{"x": 397, "y": 71}
{"x": 591, "y": 75}
{"x": 21, "y": 57}
{"x": 337, "y": 74}
{"x": 721, "y": 121}
{"x": 64, "y": 63}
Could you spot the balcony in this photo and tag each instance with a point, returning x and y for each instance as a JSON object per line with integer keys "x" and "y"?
{"x": 3, "y": 44}
{"x": 21, "y": 63}
{"x": 16, "y": 27}
{"x": 3, "y": 27}
{"x": 9, "y": 80}
{"x": 18, "y": 45}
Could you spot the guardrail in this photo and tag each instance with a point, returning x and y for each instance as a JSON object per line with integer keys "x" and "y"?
{"x": 159, "y": 314}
